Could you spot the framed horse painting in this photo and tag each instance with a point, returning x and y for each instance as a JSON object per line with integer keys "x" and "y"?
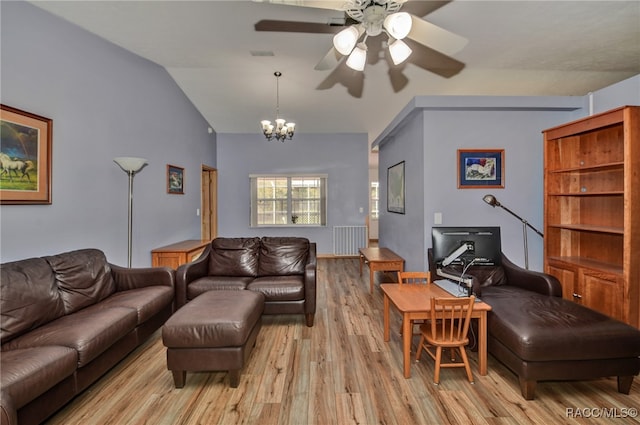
{"x": 25, "y": 157}
{"x": 480, "y": 168}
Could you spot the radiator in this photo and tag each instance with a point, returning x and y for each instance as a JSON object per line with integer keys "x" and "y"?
{"x": 347, "y": 239}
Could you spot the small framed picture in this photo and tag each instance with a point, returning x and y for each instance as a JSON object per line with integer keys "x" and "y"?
{"x": 480, "y": 168}
{"x": 175, "y": 180}
{"x": 25, "y": 157}
{"x": 395, "y": 188}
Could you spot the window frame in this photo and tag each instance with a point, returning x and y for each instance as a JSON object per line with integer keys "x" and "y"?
{"x": 323, "y": 178}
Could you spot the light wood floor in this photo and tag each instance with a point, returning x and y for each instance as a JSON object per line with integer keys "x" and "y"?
{"x": 338, "y": 372}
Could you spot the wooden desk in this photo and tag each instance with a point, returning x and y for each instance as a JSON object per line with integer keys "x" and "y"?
{"x": 414, "y": 302}
{"x": 178, "y": 253}
{"x": 380, "y": 259}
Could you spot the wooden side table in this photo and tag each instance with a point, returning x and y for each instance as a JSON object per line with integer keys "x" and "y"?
{"x": 178, "y": 253}
{"x": 380, "y": 259}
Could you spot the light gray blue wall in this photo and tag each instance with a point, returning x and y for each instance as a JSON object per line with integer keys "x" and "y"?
{"x": 344, "y": 157}
{"x": 104, "y": 102}
{"x": 432, "y": 131}
{"x": 626, "y": 92}
{"x": 450, "y": 123}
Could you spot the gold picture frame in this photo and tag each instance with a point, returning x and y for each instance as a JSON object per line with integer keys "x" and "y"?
{"x": 25, "y": 157}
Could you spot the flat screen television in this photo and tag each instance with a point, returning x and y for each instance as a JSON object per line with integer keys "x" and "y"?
{"x": 483, "y": 245}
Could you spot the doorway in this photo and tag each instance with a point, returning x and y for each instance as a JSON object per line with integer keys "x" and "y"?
{"x": 209, "y": 218}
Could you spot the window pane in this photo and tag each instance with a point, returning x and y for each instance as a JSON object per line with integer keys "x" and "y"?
{"x": 290, "y": 200}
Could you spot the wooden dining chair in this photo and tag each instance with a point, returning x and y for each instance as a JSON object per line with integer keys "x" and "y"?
{"x": 447, "y": 328}
{"x": 413, "y": 278}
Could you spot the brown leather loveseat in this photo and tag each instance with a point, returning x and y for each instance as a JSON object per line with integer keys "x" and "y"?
{"x": 66, "y": 320}
{"x": 541, "y": 336}
{"x": 281, "y": 268}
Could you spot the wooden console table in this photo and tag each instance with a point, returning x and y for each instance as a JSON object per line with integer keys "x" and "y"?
{"x": 178, "y": 253}
{"x": 380, "y": 259}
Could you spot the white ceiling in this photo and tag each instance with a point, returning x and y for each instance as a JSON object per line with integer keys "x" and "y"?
{"x": 515, "y": 48}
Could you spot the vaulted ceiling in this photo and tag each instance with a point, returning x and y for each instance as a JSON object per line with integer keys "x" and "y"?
{"x": 225, "y": 66}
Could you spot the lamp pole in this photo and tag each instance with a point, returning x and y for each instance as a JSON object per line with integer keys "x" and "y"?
{"x": 491, "y": 200}
{"x": 130, "y": 166}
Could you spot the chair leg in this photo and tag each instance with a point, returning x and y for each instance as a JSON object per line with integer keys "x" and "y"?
{"x": 463, "y": 354}
{"x": 419, "y": 351}
{"x": 436, "y": 375}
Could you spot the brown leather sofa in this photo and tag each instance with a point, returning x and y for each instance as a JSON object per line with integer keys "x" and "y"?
{"x": 281, "y": 268}
{"x": 66, "y": 320}
{"x": 541, "y": 336}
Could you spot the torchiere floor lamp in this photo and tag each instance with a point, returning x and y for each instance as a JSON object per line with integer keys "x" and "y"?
{"x": 130, "y": 166}
{"x": 491, "y": 200}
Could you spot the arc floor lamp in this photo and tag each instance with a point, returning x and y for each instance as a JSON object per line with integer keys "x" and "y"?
{"x": 131, "y": 166}
{"x": 491, "y": 200}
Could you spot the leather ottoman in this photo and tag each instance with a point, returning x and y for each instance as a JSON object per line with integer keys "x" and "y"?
{"x": 215, "y": 331}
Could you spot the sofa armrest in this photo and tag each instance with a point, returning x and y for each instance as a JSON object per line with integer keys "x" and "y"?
{"x": 541, "y": 283}
{"x": 141, "y": 277}
{"x": 310, "y": 280}
{"x": 189, "y": 272}
{"x": 8, "y": 413}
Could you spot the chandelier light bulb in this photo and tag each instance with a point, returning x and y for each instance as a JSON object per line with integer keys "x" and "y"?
{"x": 346, "y": 40}
{"x": 399, "y": 51}
{"x": 398, "y": 25}
{"x": 358, "y": 57}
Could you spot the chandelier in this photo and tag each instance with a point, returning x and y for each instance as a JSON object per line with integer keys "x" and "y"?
{"x": 282, "y": 130}
{"x": 375, "y": 17}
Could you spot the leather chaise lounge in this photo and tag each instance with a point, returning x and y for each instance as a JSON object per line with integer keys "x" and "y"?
{"x": 541, "y": 336}
{"x": 66, "y": 320}
{"x": 283, "y": 269}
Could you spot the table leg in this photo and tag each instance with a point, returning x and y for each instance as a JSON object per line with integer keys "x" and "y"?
{"x": 386, "y": 317}
{"x": 482, "y": 343}
{"x": 361, "y": 261}
{"x": 407, "y": 333}
{"x": 372, "y": 270}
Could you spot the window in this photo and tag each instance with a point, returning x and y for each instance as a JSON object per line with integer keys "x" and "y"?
{"x": 288, "y": 200}
{"x": 374, "y": 200}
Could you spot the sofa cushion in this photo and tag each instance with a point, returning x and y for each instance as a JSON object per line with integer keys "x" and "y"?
{"x": 83, "y": 277}
{"x": 28, "y": 297}
{"x": 279, "y": 288}
{"x": 27, "y": 373}
{"x": 90, "y": 332}
{"x": 147, "y": 302}
{"x": 217, "y": 283}
{"x": 282, "y": 256}
{"x": 234, "y": 257}
{"x": 539, "y": 327}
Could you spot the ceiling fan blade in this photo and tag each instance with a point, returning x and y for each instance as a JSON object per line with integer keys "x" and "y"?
{"x": 294, "y": 26}
{"x": 318, "y": 4}
{"x": 423, "y": 8}
{"x": 435, "y": 37}
{"x": 432, "y": 61}
{"x": 329, "y": 61}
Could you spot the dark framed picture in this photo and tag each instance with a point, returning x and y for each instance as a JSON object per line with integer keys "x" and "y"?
{"x": 175, "y": 180}
{"x": 480, "y": 168}
{"x": 25, "y": 157}
{"x": 395, "y": 188}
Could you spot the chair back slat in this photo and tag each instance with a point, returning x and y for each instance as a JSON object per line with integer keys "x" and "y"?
{"x": 414, "y": 278}
{"x": 450, "y": 318}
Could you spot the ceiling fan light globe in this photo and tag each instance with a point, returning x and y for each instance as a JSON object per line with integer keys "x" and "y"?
{"x": 399, "y": 52}
{"x": 398, "y": 25}
{"x": 346, "y": 40}
{"x": 358, "y": 58}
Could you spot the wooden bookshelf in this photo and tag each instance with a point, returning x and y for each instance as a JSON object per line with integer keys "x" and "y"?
{"x": 591, "y": 211}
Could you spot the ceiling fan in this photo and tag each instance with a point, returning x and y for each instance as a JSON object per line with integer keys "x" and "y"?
{"x": 409, "y": 36}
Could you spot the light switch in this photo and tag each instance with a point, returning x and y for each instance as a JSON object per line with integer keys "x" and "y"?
{"x": 437, "y": 218}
